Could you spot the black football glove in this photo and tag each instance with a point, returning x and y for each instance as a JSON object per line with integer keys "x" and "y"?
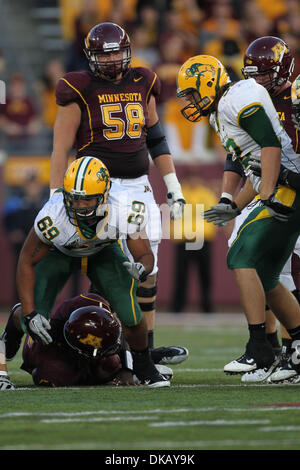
{"x": 286, "y": 177}
{"x": 276, "y": 209}
{"x": 224, "y": 211}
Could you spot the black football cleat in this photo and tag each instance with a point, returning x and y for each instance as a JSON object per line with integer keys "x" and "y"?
{"x": 11, "y": 336}
{"x": 156, "y": 381}
{"x": 169, "y": 355}
{"x": 145, "y": 370}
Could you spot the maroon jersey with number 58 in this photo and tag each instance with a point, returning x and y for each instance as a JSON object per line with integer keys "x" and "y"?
{"x": 114, "y": 118}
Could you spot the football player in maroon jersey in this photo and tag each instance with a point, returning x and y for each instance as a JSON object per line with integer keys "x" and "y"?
{"x": 88, "y": 347}
{"x": 269, "y": 61}
{"x": 110, "y": 113}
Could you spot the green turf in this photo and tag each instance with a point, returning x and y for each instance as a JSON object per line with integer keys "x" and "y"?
{"x": 203, "y": 409}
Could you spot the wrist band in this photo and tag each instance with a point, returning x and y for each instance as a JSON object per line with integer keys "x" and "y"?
{"x": 52, "y": 191}
{"x": 227, "y": 195}
{"x": 171, "y": 182}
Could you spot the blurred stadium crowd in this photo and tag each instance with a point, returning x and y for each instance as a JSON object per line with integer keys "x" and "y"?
{"x": 43, "y": 39}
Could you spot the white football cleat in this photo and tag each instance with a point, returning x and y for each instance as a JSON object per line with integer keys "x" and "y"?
{"x": 284, "y": 370}
{"x": 259, "y": 375}
{"x": 165, "y": 371}
{"x": 241, "y": 365}
{"x": 169, "y": 355}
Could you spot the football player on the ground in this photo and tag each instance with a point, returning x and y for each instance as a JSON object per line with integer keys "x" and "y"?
{"x": 78, "y": 229}
{"x": 269, "y": 61}
{"x": 247, "y": 124}
{"x": 110, "y": 113}
{"x": 87, "y": 348}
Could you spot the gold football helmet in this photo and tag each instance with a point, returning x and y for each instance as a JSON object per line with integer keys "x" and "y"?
{"x": 199, "y": 80}
{"x": 86, "y": 179}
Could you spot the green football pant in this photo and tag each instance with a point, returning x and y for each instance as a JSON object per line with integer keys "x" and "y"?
{"x": 105, "y": 270}
{"x": 264, "y": 243}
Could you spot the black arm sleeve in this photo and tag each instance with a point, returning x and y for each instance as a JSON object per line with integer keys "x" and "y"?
{"x": 156, "y": 141}
{"x": 233, "y": 165}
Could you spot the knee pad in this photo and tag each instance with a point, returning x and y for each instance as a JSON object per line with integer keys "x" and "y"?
{"x": 146, "y": 294}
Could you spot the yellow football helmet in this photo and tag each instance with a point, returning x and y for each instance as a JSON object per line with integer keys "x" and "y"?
{"x": 86, "y": 178}
{"x": 199, "y": 80}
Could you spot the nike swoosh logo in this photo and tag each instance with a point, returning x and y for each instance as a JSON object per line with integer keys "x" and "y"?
{"x": 249, "y": 361}
{"x": 137, "y": 79}
{"x": 286, "y": 97}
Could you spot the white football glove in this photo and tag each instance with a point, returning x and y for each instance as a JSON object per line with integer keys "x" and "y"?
{"x": 5, "y": 383}
{"x": 136, "y": 270}
{"x": 37, "y": 327}
{"x": 175, "y": 197}
{"x": 176, "y": 203}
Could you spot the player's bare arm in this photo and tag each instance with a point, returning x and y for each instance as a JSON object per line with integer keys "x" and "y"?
{"x": 141, "y": 251}
{"x": 270, "y": 165}
{"x": 230, "y": 183}
{"x": 245, "y": 196}
{"x": 164, "y": 162}
{"x": 65, "y": 128}
{"x": 33, "y": 251}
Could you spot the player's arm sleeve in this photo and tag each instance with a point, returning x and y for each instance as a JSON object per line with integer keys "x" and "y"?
{"x": 156, "y": 141}
{"x": 254, "y": 120}
{"x": 233, "y": 165}
{"x": 154, "y": 86}
{"x": 70, "y": 88}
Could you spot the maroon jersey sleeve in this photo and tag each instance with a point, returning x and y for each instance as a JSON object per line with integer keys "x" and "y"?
{"x": 283, "y": 105}
{"x": 153, "y": 82}
{"x": 70, "y": 88}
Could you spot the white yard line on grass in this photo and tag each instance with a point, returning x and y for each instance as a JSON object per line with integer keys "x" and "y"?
{"x": 156, "y": 411}
{"x": 161, "y": 445}
{"x": 216, "y": 422}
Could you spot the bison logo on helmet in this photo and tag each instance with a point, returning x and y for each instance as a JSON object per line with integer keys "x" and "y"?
{"x": 199, "y": 70}
{"x": 103, "y": 175}
{"x": 92, "y": 340}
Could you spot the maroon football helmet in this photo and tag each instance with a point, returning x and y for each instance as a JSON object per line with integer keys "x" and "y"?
{"x": 270, "y": 56}
{"x": 93, "y": 332}
{"x": 105, "y": 38}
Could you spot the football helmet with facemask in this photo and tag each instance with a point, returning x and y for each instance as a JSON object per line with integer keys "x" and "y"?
{"x": 93, "y": 332}
{"x": 268, "y": 56}
{"x": 199, "y": 80}
{"x": 106, "y": 38}
{"x": 86, "y": 179}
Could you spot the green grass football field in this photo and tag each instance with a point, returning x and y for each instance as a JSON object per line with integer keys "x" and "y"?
{"x": 203, "y": 409}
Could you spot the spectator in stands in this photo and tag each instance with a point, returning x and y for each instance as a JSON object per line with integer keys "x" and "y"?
{"x": 148, "y": 18}
{"x": 19, "y": 212}
{"x": 172, "y": 55}
{"x": 2, "y": 62}
{"x": 87, "y": 18}
{"x": 255, "y": 23}
{"x": 143, "y": 55}
{"x": 19, "y": 119}
{"x": 53, "y": 71}
{"x": 195, "y": 192}
{"x": 172, "y": 26}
